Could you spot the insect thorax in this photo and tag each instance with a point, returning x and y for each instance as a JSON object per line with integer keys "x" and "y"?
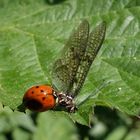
{"x": 66, "y": 101}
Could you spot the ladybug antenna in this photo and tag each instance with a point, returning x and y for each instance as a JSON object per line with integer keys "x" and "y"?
{"x": 95, "y": 93}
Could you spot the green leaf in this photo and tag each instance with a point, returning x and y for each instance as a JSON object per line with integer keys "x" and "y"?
{"x": 50, "y": 123}
{"x": 117, "y": 133}
{"x": 15, "y": 125}
{"x": 2, "y": 137}
{"x": 32, "y": 35}
{"x": 21, "y": 134}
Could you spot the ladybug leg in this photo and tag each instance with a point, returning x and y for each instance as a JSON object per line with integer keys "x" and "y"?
{"x": 66, "y": 101}
{"x": 70, "y": 105}
{"x": 71, "y": 108}
{"x": 62, "y": 98}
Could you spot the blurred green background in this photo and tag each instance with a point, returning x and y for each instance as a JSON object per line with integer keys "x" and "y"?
{"x": 106, "y": 124}
{"x": 116, "y": 110}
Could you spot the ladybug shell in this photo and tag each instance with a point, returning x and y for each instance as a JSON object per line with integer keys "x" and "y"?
{"x": 39, "y": 98}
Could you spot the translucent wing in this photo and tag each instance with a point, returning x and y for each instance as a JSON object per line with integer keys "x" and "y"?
{"x": 95, "y": 41}
{"x": 66, "y": 67}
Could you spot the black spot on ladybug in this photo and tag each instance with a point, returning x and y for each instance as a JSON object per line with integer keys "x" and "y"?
{"x": 32, "y": 92}
{"x": 43, "y": 98}
{"x": 42, "y": 90}
{"x": 37, "y": 86}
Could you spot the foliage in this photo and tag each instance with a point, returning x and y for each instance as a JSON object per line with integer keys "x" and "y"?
{"x": 32, "y": 35}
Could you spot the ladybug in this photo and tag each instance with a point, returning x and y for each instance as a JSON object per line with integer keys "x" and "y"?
{"x": 40, "y": 98}
{"x": 43, "y": 97}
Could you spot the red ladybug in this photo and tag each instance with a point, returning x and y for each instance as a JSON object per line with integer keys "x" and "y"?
{"x": 43, "y": 97}
{"x": 40, "y": 98}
